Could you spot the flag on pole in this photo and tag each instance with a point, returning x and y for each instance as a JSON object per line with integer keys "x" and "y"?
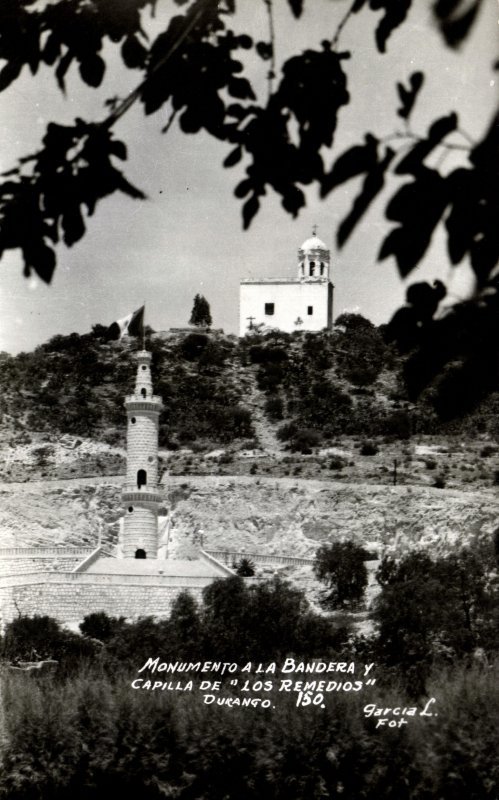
{"x": 132, "y": 325}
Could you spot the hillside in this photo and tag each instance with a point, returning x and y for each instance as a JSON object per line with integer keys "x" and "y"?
{"x": 269, "y": 444}
{"x": 327, "y": 406}
{"x": 286, "y": 515}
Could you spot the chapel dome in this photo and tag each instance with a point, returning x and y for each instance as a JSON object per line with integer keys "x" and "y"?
{"x": 313, "y": 243}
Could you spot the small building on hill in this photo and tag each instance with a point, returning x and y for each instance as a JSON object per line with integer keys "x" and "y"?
{"x": 304, "y": 303}
{"x": 139, "y": 579}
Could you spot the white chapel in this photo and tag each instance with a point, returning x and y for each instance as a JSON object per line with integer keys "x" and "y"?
{"x": 304, "y": 303}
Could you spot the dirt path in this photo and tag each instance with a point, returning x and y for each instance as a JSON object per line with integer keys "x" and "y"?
{"x": 255, "y": 400}
{"x": 61, "y": 483}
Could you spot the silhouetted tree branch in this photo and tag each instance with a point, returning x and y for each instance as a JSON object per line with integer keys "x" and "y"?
{"x": 192, "y": 70}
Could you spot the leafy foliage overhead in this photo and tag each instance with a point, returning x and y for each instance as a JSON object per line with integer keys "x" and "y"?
{"x": 196, "y": 69}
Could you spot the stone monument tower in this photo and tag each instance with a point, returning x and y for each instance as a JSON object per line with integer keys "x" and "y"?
{"x": 141, "y": 495}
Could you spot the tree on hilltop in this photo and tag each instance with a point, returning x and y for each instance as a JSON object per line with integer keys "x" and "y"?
{"x": 199, "y": 71}
{"x": 201, "y": 314}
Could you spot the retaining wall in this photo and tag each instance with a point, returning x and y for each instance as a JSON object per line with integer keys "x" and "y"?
{"x": 230, "y": 557}
{"x": 69, "y": 597}
{"x": 28, "y": 560}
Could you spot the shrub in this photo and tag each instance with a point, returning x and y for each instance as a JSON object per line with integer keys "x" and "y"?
{"x": 399, "y": 424}
{"x": 39, "y": 638}
{"x": 305, "y": 439}
{"x": 439, "y": 482}
{"x": 213, "y": 355}
{"x": 193, "y": 346}
{"x": 239, "y": 421}
{"x": 274, "y": 407}
{"x": 336, "y": 463}
{"x": 265, "y": 355}
{"x": 341, "y": 567}
{"x": 286, "y": 431}
{"x": 368, "y": 449}
{"x": 245, "y": 568}
{"x": 269, "y": 376}
{"x": 100, "y": 626}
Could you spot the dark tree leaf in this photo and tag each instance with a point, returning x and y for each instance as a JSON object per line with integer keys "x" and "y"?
{"x": 72, "y": 225}
{"x": 237, "y": 111}
{"x": 9, "y": 73}
{"x": 190, "y": 122}
{"x": 133, "y": 52}
{"x": 413, "y": 161}
{"x": 241, "y": 88}
{"x": 264, "y": 50}
{"x": 74, "y": 170}
{"x": 296, "y": 7}
{"x": 293, "y": 199}
{"x": 395, "y": 14}
{"x": 456, "y": 18}
{"x": 355, "y": 161}
{"x": 244, "y": 41}
{"x": 41, "y": 258}
{"x": 418, "y": 206}
{"x": 459, "y": 222}
{"x": 250, "y": 208}
{"x": 403, "y": 329}
{"x": 118, "y": 149}
{"x": 52, "y": 49}
{"x": 92, "y": 70}
{"x": 445, "y": 8}
{"x": 425, "y": 299}
{"x": 314, "y": 88}
{"x": 474, "y": 198}
{"x": 243, "y": 188}
{"x": 62, "y": 68}
{"x": 372, "y": 185}
{"x": 408, "y": 96}
{"x": 234, "y": 157}
{"x": 128, "y": 188}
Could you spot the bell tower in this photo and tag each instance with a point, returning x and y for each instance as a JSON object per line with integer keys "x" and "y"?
{"x": 141, "y": 494}
{"x": 314, "y": 260}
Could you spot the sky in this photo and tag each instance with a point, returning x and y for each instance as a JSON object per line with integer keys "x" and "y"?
{"x": 187, "y": 237}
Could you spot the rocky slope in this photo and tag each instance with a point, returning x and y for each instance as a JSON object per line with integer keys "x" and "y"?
{"x": 285, "y": 516}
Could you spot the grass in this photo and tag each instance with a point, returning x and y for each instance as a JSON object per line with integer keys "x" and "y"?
{"x": 93, "y": 733}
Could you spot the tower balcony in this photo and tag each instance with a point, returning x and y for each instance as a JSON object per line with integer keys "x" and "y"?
{"x": 135, "y": 402}
{"x": 131, "y": 494}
